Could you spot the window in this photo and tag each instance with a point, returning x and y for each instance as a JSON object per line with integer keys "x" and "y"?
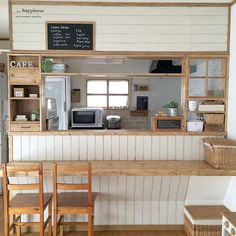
{"x": 110, "y": 94}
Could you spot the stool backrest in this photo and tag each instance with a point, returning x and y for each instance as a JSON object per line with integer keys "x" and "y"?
{"x": 84, "y": 169}
{"x": 31, "y": 170}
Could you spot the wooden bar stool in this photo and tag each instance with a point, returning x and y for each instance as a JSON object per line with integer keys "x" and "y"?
{"x": 25, "y": 203}
{"x": 80, "y": 201}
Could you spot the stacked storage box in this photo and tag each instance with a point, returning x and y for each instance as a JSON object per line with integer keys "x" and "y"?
{"x": 203, "y": 220}
{"x": 220, "y": 153}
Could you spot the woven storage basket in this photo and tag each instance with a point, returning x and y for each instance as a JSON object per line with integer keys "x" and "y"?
{"x": 214, "y": 118}
{"x": 203, "y": 220}
{"x": 220, "y": 153}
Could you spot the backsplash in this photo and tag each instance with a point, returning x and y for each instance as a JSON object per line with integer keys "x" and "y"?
{"x": 127, "y": 121}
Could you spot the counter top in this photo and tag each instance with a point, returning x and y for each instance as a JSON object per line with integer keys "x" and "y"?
{"x": 144, "y": 168}
{"x": 98, "y": 132}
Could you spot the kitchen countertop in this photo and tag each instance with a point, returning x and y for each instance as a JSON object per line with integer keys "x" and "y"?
{"x": 117, "y": 132}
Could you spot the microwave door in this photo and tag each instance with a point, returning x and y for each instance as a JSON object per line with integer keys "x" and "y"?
{"x": 84, "y": 118}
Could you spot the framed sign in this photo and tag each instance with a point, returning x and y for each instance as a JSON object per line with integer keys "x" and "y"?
{"x": 167, "y": 123}
{"x": 70, "y": 35}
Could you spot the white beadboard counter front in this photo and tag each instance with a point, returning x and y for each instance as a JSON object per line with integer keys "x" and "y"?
{"x": 106, "y": 145}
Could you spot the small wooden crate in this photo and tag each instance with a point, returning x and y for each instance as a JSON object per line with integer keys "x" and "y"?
{"x": 167, "y": 123}
{"x": 220, "y": 153}
{"x": 203, "y": 220}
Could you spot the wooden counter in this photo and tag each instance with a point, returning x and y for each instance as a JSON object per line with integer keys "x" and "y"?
{"x": 98, "y": 132}
{"x": 145, "y": 168}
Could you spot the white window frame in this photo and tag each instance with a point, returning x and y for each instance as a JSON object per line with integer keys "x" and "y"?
{"x": 107, "y": 94}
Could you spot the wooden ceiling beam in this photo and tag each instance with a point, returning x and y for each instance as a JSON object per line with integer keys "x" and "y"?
{"x": 119, "y": 4}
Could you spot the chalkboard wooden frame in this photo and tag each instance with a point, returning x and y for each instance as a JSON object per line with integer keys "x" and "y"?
{"x": 93, "y": 23}
{"x": 156, "y": 127}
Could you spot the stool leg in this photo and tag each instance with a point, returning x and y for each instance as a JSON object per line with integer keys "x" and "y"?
{"x": 6, "y": 223}
{"x": 50, "y": 220}
{"x": 90, "y": 225}
{"x": 93, "y": 224}
{"x": 41, "y": 224}
{"x": 55, "y": 222}
{"x": 61, "y": 226}
{"x": 14, "y": 226}
{"x": 18, "y": 230}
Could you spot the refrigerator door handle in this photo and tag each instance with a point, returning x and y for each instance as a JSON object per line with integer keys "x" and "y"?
{"x": 65, "y": 106}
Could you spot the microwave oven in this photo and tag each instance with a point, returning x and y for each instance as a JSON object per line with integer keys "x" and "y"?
{"x": 87, "y": 117}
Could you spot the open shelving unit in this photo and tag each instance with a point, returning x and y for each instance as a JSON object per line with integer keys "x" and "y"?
{"x": 207, "y": 84}
{"x": 24, "y": 74}
{"x": 209, "y": 71}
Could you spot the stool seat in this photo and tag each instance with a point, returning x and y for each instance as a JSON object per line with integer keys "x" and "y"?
{"x": 74, "y": 199}
{"x": 28, "y": 200}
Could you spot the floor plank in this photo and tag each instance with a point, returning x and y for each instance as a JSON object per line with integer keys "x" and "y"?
{"x": 107, "y": 233}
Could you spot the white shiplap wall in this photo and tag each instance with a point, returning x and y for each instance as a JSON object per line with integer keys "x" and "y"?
{"x": 45, "y": 148}
{"x": 122, "y": 200}
{"x": 129, "y": 28}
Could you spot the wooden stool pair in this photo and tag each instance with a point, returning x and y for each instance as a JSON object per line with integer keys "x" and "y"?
{"x": 75, "y": 198}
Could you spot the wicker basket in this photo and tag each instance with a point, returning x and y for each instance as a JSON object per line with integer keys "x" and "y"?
{"x": 214, "y": 118}
{"x": 201, "y": 230}
{"x": 220, "y": 153}
{"x": 203, "y": 220}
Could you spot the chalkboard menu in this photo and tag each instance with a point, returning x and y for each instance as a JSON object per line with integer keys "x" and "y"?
{"x": 70, "y": 36}
{"x": 169, "y": 124}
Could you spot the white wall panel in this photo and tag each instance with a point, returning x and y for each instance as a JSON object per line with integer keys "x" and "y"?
{"x": 66, "y": 148}
{"x": 99, "y": 148}
{"x": 42, "y": 148}
{"x": 58, "y": 149}
{"x": 130, "y": 28}
{"x": 50, "y": 140}
{"x": 123, "y": 148}
{"x": 83, "y": 147}
{"x": 107, "y": 148}
{"x": 131, "y": 149}
{"x": 33, "y": 148}
{"x": 16, "y": 152}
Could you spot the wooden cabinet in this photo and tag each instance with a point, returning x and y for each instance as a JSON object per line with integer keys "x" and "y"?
{"x": 206, "y": 85}
{"x": 24, "y": 89}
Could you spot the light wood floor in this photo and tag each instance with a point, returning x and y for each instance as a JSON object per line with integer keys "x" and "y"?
{"x": 108, "y": 233}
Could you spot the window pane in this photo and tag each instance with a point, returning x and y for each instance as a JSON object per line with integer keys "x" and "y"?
{"x": 117, "y": 102}
{"x": 96, "y": 101}
{"x": 216, "y": 68}
{"x": 118, "y": 87}
{"x": 97, "y": 86}
{"x": 197, "y": 68}
{"x": 216, "y": 87}
{"x": 197, "y": 87}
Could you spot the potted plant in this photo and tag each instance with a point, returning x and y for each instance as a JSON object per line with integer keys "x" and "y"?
{"x": 172, "y": 107}
{"x": 47, "y": 65}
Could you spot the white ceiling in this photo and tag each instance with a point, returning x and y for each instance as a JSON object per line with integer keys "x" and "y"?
{"x": 4, "y": 31}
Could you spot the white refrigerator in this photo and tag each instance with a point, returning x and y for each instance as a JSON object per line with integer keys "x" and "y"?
{"x": 59, "y": 88}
